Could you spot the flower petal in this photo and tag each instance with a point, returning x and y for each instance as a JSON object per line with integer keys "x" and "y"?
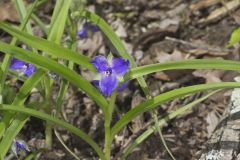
{"x": 120, "y": 65}
{"x": 17, "y": 64}
{"x": 95, "y": 83}
{"x": 100, "y": 63}
{"x": 29, "y": 70}
{"x": 123, "y": 86}
{"x": 94, "y": 28}
{"x": 83, "y": 33}
{"x": 107, "y": 84}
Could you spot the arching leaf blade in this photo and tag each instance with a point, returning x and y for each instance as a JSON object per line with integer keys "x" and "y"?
{"x": 49, "y": 47}
{"x": 48, "y": 64}
{"x": 58, "y": 122}
{"x": 164, "y": 97}
{"x": 183, "y": 64}
{"x": 161, "y": 122}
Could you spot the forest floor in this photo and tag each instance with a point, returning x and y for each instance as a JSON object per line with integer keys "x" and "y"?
{"x": 153, "y": 31}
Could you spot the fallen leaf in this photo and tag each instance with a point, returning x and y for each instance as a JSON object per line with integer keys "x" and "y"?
{"x": 8, "y": 12}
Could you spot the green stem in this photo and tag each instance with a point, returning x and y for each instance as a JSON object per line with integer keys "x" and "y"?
{"x": 107, "y": 125}
{"x": 48, "y": 83}
{"x": 48, "y": 134}
{"x": 155, "y": 118}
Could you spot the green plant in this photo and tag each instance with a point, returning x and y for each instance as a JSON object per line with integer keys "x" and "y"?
{"x": 44, "y": 55}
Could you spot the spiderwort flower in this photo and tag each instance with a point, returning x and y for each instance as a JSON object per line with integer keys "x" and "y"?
{"x": 110, "y": 73}
{"x": 23, "y": 67}
{"x": 19, "y": 147}
{"x": 87, "y": 30}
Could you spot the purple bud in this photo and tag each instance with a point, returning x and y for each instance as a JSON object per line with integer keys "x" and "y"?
{"x": 19, "y": 147}
{"x": 83, "y": 33}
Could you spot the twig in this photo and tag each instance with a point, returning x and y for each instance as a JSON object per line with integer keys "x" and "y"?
{"x": 220, "y": 12}
{"x": 197, "y": 46}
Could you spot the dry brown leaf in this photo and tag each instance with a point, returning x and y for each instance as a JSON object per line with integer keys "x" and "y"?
{"x": 203, "y": 4}
{"x": 220, "y": 12}
{"x": 8, "y": 12}
{"x": 171, "y": 74}
{"x": 210, "y": 75}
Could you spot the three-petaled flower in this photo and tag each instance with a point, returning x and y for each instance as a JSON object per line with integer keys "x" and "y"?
{"x": 110, "y": 73}
{"x": 22, "y": 67}
{"x": 88, "y": 29}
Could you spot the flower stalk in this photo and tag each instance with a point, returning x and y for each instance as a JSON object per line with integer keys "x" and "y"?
{"x": 107, "y": 125}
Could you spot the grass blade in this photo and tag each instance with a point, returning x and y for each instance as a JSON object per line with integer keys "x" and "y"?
{"x": 49, "y": 47}
{"x": 17, "y": 124}
{"x": 7, "y": 58}
{"x": 58, "y": 122}
{"x": 184, "y": 64}
{"x": 161, "y": 122}
{"x": 162, "y": 98}
{"x": 58, "y": 20}
{"x": 48, "y": 64}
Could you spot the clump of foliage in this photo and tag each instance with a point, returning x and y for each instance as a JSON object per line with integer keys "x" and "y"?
{"x": 36, "y": 66}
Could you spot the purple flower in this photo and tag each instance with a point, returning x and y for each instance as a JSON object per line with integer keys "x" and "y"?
{"x": 88, "y": 28}
{"x": 23, "y": 67}
{"x": 110, "y": 73}
{"x": 19, "y": 147}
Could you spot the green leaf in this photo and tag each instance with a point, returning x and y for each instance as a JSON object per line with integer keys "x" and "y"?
{"x": 49, "y": 47}
{"x": 9, "y": 92}
{"x": 28, "y": 86}
{"x": 162, "y": 98}
{"x": 48, "y": 64}
{"x": 58, "y": 20}
{"x": 161, "y": 122}
{"x": 235, "y": 37}
{"x": 2, "y": 129}
{"x": 7, "y": 58}
{"x": 23, "y": 13}
{"x": 183, "y": 64}
{"x": 18, "y": 123}
{"x": 58, "y": 122}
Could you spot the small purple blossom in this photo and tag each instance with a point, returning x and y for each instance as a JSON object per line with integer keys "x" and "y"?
{"x": 110, "y": 72}
{"x": 88, "y": 28}
{"x": 23, "y": 67}
{"x": 19, "y": 147}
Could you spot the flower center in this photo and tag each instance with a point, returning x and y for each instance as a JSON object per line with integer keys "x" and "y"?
{"x": 22, "y": 70}
{"x": 108, "y": 71}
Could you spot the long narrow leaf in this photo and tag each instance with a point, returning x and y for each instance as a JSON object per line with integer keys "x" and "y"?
{"x": 17, "y": 123}
{"x": 58, "y": 122}
{"x": 22, "y": 95}
{"x": 162, "y": 98}
{"x": 48, "y": 64}
{"x": 161, "y": 122}
{"x": 184, "y": 64}
{"x": 7, "y": 58}
{"x": 58, "y": 20}
{"x": 49, "y": 47}
{"x": 28, "y": 86}
{"x": 2, "y": 129}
